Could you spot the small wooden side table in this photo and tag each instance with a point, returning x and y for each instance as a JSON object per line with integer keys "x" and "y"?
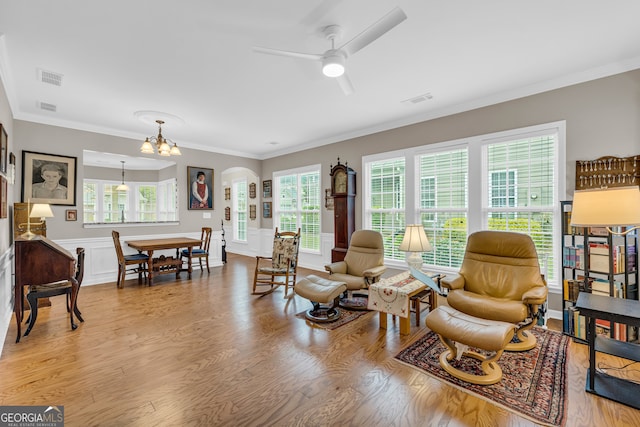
{"x": 393, "y": 296}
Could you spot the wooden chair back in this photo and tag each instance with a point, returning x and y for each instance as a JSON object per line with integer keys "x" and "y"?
{"x": 116, "y": 242}
{"x": 205, "y": 237}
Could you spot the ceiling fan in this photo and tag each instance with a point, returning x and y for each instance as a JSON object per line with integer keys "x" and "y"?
{"x": 334, "y": 59}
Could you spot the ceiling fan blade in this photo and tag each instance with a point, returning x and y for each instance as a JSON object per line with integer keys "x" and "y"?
{"x": 386, "y": 23}
{"x": 345, "y": 84}
{"x": 269, "y": 51}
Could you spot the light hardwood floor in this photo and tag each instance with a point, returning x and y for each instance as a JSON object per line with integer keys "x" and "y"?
{"x": 206, "y": 353}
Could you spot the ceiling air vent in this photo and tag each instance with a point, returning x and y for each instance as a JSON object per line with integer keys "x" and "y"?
{"x": 50, "y": 77}
{"x": 418, "y": 99}
{"x": 48, "y": 107}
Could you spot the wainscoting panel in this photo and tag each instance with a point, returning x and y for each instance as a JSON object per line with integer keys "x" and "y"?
{"x": 6, "y": 293}
{"x": 260, "y": 243}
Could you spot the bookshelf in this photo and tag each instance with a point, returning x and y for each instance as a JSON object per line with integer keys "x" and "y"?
{"x": 596, "y": 262}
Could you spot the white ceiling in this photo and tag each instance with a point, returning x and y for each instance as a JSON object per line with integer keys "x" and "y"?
{"x": 193, "y": 59}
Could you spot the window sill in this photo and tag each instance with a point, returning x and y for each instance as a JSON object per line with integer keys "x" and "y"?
{"x": 128, "y": 224}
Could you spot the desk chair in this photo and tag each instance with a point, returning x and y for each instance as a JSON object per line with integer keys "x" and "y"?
{"x": 54, "y": 289}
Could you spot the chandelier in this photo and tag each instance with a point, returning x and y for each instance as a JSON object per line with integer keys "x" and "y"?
{"x": 161, "y": 144}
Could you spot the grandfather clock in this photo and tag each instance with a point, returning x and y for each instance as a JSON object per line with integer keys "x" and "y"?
{"x": 343, "y": 190}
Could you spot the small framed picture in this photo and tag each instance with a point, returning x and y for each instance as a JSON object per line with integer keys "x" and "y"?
{"x": 4, "y": 149}
{"x": 71, "y": 214}
{"x": 3, "y": 197}
{"x": 48, "y": 178}
{"x": 266, "y": 189}
{"x": 252, "y": 211}
{"x": 227, "y": 193}
{"x": 266, "y": 209}
{"x": 252, "y": 190}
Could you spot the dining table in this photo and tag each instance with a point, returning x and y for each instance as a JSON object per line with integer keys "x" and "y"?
{"x": 156, "y": 265}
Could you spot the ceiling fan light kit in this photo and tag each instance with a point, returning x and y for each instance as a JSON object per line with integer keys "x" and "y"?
{"x": 334, "y": 59}
{"x": 333, "y": 64}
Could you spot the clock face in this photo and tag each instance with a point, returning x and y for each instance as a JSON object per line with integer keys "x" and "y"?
{"x": 340, "y": 182}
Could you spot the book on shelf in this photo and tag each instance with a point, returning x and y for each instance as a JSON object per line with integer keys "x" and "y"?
{"x": 622, "y": 259}
{"x": 578, "y": 328}
{"x": 571, "y": 289}
{"x": 573, "y": 257}
{"x": 598, "y": 231}
{"x": 603, "y": 327}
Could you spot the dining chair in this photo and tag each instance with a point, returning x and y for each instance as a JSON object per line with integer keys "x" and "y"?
{"x": 200, "y": 252}
{"x": 127, "y": 264}
{"x": 54, "y": 289}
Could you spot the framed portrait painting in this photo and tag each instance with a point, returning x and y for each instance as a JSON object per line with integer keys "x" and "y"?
{"x": 200, "y": 188}
{"x": 48, "y": 178}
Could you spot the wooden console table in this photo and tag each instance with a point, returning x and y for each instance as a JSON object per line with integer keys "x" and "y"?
{"x": 151, "y": 245}
{"x": 618, "y": 310}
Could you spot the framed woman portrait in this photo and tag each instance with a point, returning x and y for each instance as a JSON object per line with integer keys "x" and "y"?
{"x": 48, "y": 178}
{"x": 200, "y": 188}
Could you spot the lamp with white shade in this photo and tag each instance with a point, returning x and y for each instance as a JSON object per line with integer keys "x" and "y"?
{"x": 415, "y": 241}
{"x": 39, "y": 210}
{"x": 610, "y": 207}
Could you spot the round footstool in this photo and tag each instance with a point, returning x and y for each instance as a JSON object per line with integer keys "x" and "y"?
{"x": 458, "y": 331}
{"x": 321, "y": 292}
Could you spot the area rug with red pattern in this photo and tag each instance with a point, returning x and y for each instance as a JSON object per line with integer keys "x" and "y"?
{"x": 534, "y": 382}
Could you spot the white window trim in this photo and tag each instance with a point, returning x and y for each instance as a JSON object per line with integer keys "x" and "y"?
{"x": 235, "y": 210}
{"x": 131, "y": 200}
{"x": 476, "y": 209}
{"x": 275, "y": 207}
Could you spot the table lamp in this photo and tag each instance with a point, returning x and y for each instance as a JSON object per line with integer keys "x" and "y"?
{"x": 39, "y": 210}
{"x": 609, "y": 207}
{"x": 415, "y": 241}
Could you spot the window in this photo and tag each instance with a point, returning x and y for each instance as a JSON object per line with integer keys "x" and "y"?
{"x": 502, "y": 191}
{"x": 522, "y": 175}
{"x": 503, "y": 181}
{"x": 443, "y": 204}
{"x": 297, "y": 204}
{"x": 240, "y": 210}
{"x": 386, "y": 203}
{"x": 167, "y": 202}
{"x": 143, "y": 202}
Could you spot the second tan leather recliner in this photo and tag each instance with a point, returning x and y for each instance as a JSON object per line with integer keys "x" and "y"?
{"x": 500, "y": 279}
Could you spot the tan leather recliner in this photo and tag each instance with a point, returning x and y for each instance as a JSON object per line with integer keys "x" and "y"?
{"x": 363, "y": 264}
{"x": 500, "y": 280}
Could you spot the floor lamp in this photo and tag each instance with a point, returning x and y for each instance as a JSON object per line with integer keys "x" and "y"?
{"x": 609, "y": 207}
